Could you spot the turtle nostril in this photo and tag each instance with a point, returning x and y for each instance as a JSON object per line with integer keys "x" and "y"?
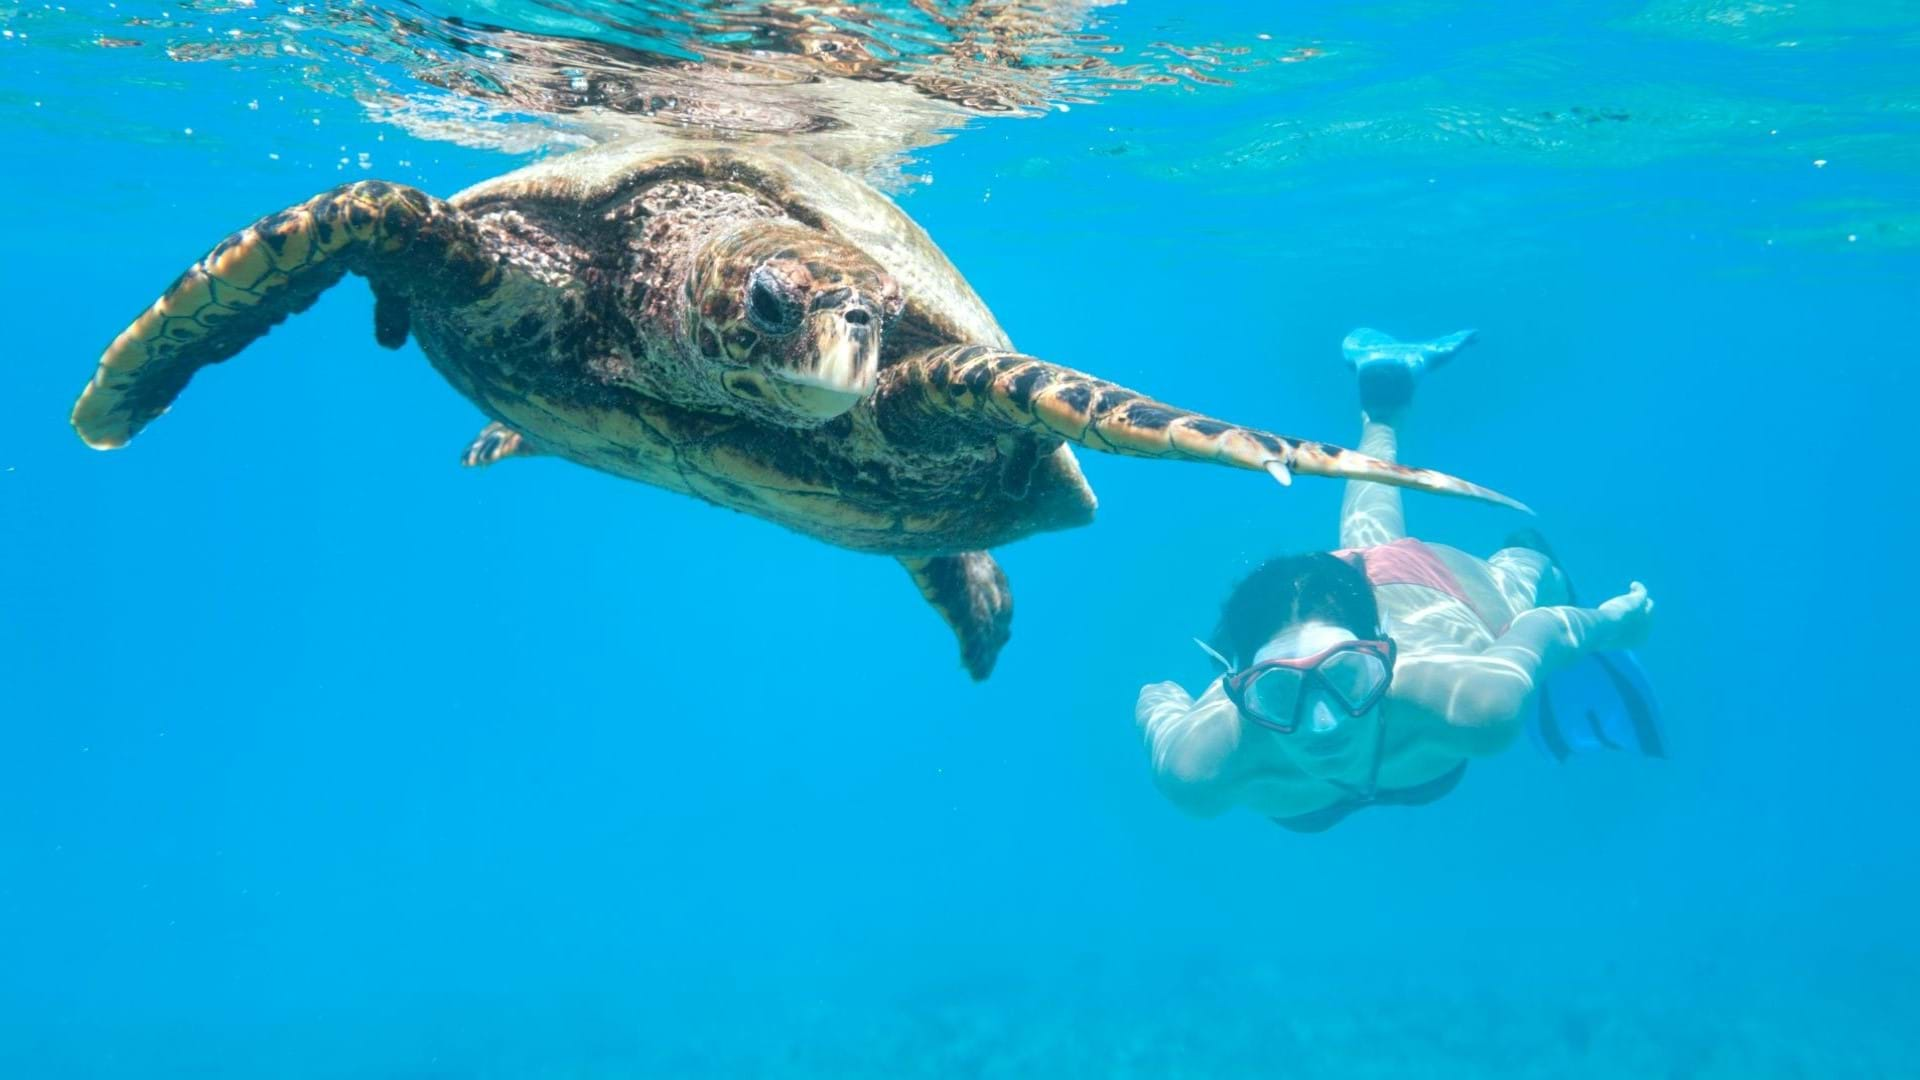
{"x": 858, "y": 316}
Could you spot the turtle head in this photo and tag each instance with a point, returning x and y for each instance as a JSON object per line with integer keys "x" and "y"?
{"x": 790, "y": 320}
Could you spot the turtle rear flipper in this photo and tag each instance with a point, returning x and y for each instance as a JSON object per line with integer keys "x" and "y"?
{"x": 408, "y": 242}
{"x": 970, "y": 591}
{"x": 976, "y": 387}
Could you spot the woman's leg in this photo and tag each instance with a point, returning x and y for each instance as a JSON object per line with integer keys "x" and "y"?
{"x": 1525, "y": 579}
{"x": 1386, "y": 370}
{"x": 1371, "y": 513}
{"x": 1527, "y": 573}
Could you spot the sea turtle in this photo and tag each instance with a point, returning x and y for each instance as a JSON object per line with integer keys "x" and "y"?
{"x": 744, "y": 325}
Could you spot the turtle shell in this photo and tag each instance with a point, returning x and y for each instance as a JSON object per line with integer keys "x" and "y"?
{"x": 939, "y": 300}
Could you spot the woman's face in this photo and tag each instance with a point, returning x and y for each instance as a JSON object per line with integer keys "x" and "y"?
{"x": 1329, "y": 744}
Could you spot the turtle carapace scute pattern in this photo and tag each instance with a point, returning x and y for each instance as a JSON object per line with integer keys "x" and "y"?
{"x": 743, "y": 325}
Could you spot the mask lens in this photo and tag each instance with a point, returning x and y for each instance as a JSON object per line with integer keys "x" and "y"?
{"x": 1275, "y": 695}
{"x": 1354, "y": 676}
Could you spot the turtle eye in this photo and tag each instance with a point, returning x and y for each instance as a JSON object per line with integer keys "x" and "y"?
{"x": 772, "y": 304}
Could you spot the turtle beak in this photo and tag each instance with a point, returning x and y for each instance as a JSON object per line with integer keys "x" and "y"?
{"x": 840, "y": 368}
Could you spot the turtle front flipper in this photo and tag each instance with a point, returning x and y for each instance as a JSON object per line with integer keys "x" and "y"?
{"x": 409, "y": 243}
{"x": 970, "y": 591}
{"x": 976, "y": 388}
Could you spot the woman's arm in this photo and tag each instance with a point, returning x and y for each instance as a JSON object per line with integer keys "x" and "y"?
{"x": 1193, "y": 745}
{"x": 1477, "y": 700}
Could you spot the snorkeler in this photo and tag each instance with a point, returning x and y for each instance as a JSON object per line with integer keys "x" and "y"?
{"x": 1370, "y": 675}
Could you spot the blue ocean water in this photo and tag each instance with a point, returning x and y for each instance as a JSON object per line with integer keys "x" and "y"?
{"x": 324, "y": 757}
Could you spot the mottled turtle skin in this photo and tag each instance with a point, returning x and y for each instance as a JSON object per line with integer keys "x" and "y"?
{"x": 746, "y": 326}
{"x": 640, "y": 358}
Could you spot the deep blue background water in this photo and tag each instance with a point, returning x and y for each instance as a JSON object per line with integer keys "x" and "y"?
{"x": 325, "y": 757}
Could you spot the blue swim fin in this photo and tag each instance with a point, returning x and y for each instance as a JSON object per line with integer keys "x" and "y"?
{"x": 1604, "y": 701}
{"x": 1388, "y": 367}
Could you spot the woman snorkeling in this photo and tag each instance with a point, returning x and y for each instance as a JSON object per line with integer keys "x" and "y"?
{"x": 1370, "y": 675}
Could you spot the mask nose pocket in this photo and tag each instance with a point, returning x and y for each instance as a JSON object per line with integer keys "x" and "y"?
{"x": 1322, "y": 718}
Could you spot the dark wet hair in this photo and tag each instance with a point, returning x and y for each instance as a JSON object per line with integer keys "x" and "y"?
{"x": 1292, "y": 589}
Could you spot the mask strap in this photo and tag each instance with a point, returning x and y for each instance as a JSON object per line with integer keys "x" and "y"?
{"x": 1210, "y": 651}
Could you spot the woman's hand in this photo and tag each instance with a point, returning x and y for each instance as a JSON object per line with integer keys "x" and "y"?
{"x": 1192, "y": 745}
{"x": 1628, "y": 617}
{"x": 1154, "y": 696}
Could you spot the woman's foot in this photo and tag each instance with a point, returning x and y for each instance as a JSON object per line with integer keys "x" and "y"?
{"x": 1387, "y": 368}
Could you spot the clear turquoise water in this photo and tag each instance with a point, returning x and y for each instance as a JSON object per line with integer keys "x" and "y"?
{"x": 325, "y": 758}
